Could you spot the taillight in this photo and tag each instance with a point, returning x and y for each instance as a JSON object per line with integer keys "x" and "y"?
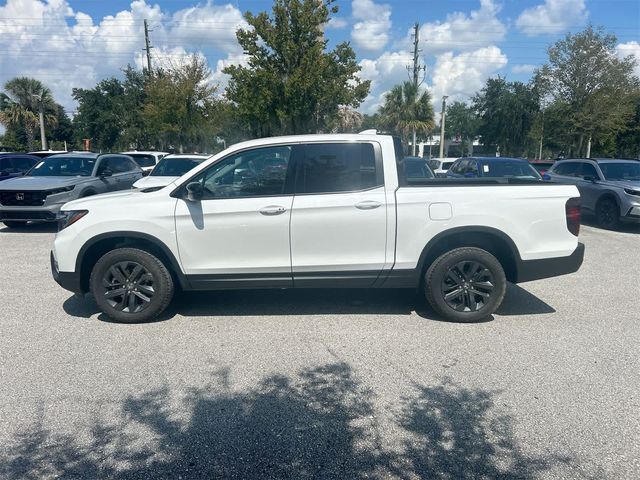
{"x": 572, "y": 209}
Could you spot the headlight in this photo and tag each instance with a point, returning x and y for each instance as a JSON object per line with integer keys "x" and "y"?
{"x": 69, "y": 217}
{"x": 61, "y": 190}
{"x": 628, "y": 191}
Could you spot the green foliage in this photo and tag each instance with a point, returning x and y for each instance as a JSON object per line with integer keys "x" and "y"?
{"x": 589, "y": 84}
{"x": 291, "y": 84}
{"x": 506, "y": 111}
{"x": 462, "y": 121}
{"x": 405, "y": 109}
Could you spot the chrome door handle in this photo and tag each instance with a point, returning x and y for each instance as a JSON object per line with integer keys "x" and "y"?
{"x": 368, "y": 205}
{"x": 272, "y": 210}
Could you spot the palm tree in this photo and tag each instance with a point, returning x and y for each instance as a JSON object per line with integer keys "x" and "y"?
{"x": 406, "y": 111}
{"x": 348, "y": 119}
{"x": 26, "y": 102}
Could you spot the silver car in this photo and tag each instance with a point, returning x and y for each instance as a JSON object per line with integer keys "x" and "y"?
{"x": 609, "y": 188}
{"x": 58, "y": 179}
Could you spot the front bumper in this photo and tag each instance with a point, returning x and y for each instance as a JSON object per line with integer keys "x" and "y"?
{"x": 529, "y": 270}
{"x": 67, "y": 280}
{"x": 47, "y": 213}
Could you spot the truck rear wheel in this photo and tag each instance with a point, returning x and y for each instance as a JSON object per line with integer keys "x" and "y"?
{"x": 465, "y": 284}
{"x": 131, "y": 285}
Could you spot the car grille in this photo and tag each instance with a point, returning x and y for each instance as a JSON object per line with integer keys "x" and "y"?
{"x": 22, "y": 199}
{"x": 7, "y": 215}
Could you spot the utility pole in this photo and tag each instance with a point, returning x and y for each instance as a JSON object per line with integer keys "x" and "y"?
{"x": 43, "y": 137}
{"x": 415, "y": 74}
{"x": 147, "y": 46}
{"x": 442, "y": 115}
{"x": 541, "y": 136}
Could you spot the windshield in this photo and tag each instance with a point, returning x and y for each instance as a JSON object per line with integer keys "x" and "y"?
{"x": 509, "y": 169}
{"x": 67, "y": 166}
{"x": 175, "y": 167}
{"x": 621, "y": 170}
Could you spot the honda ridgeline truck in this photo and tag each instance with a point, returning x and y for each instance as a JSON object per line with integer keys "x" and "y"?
{"x": 317, "y": 211}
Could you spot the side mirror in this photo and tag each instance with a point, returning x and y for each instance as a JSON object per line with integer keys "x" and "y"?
{"x": 106, "y": 173}
{"x": 194, "y": 191}
{"x": 546, "y": 176}
{"x": 589, "y": 178}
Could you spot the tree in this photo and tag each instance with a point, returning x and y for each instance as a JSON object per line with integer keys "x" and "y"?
{"x": 21, "y": 105}
{"x": 506, "y": 111}
{"x": 593, "y": 86}
{"x": 405, "y": 109}
{"x": 462, "y": 122}
{"x": 348, "y": 120}
{"x": 181, "y": 105}
{"x": 291, "y": 84}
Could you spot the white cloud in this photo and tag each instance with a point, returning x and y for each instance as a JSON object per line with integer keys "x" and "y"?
{"x": 460, "y": 76}
{"x": 630, "y": 48}
{"x": 524, "y": 68}
{"x": 336, "y": 23}
{"x": 64, "y": 48}
{"x": 460, "y": 31}
{"x": 387, "y": 70}
{"x": 373, "y": 23}
{"x": 552, "y": 16}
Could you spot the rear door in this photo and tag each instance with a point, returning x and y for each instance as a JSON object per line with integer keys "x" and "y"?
{"x": 338, "y": 219}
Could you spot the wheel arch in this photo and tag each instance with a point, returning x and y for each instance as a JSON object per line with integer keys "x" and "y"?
{"x": 96, "y": 247}
{"x": 609, "y": 195}
{"x": 499, "y": 244}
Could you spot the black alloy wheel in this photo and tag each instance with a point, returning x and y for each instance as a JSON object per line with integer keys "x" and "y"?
{"x": 467, "y": 286}
{"x": 607, "y": 214}
{"x": 131, "y": 285}
{"x": 128, "y": 287}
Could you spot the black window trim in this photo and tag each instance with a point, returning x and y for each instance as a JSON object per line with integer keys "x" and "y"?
{"x": 292, "y": 168}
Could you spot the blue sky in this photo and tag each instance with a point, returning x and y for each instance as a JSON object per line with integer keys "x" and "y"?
{"x": 75, "y": 43}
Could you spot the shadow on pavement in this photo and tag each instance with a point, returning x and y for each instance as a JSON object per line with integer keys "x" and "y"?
{"x": 319, "y": 424}
{"x": 310, "y": 302}
{"x": 625, "y": 227}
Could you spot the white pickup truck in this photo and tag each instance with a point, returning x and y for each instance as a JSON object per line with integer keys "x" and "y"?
{"x": 317, "y": 211}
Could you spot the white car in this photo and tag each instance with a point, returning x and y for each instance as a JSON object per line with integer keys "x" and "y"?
{"x": 147, "y": 160}
{"x": 440, "y": 166}
{"x": 317, "y": 211}
{"x": 169, "y": 169}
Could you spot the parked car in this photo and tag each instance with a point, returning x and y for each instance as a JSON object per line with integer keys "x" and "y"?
{"x": 169, "y": 169}
{"x": 610, "y": 188}
{"x": 439, "y": 166}
{"x": 316, "y": 211}
{"x": 15, "y": 164}
{"x": 541, "y": 165}
{"x": 58, "y": 179}
{"x": 146, "y": 160}
{"x": 416, "y": 168}
{"x": 492, "y": 167}
{"x": 46, "y": 153}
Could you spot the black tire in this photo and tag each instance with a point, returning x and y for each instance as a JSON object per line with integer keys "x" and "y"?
{"x": 462, "y": 292}
{"x": 121, "y": 280}
{"x": 607, "y": 214}
{"x": 14, "y": 224}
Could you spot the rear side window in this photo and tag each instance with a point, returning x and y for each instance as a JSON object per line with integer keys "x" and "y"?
{"x": 569, "y": 169}
{"x": 589, "y": 170}
{"x": 144, "y": 160}
{"x": 337, "y": 167}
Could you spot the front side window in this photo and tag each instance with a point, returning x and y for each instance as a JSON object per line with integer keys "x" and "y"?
{"x": 253, "y": 173}
{"x": 621, "y": 170}
{"x": 64, "y": 166}
{"x": 337, "y": 167}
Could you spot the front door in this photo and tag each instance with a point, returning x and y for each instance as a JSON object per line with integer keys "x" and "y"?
{"x": 339, "y": 217}
{"x": 238, "y": 234}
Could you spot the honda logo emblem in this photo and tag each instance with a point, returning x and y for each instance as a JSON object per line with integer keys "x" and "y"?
{"x": 19, "y": 196}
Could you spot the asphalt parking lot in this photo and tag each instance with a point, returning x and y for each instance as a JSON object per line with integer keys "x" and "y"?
{"x": 323, "y": 384}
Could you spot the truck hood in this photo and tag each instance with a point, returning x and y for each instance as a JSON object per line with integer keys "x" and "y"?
{"x": 158, "y": 181}
{"x": 28, "y": 184}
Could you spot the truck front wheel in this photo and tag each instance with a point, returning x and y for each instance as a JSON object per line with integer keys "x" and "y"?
{"x": 131, "y": 285}
{"x": 465, "y": 284}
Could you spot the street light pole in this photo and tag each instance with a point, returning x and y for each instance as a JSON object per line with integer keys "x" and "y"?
{"x": 442, "y": 115}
